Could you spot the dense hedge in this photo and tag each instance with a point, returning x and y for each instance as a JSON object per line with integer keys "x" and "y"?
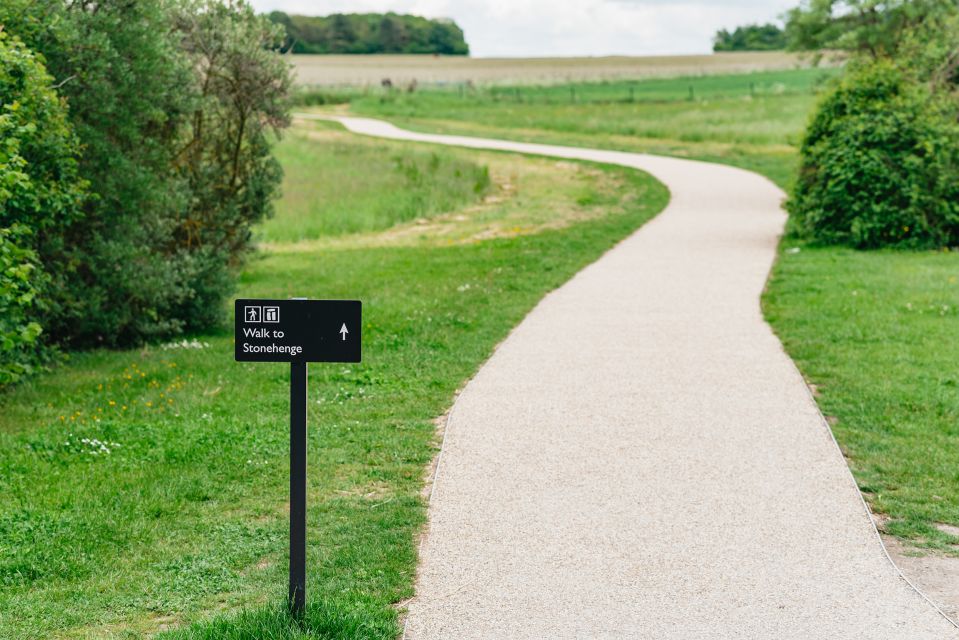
{"x": 39, "y": 178}
{"x": 40, "y": 195}
{"x": 174, "y": 105}
{"x": 21, "y": 283}
{"x": 371, "y": 33}
{"x": 880, "y": 162}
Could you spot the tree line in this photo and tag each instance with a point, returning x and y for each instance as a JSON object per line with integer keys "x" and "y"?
{"x": 752, "y": 37}
{"x": 134, "y": 159}
{"x": 370, "y": 33}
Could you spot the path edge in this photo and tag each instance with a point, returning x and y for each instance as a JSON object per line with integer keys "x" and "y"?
{"x": 432, "y": 483}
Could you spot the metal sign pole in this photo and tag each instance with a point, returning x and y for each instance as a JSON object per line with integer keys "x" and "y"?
{"x": 297, "y": 331}
{"x": 297, "y": 595}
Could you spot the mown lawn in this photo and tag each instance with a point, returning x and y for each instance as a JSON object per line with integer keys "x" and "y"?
{"x": 873, "y": 331}
{"x": 146, "y": 490}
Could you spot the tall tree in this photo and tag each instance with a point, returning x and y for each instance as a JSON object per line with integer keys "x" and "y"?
{"x": 873, "y": 27}
{"x": 342, "y": 35}
{"x": 240, "y": 105}
{"x": 172, "y": 101}
{"x": 371, "y": 33}
{"x": 392, "y": 36}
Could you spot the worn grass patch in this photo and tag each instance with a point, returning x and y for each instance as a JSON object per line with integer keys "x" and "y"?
{"x": 349, "y": 184}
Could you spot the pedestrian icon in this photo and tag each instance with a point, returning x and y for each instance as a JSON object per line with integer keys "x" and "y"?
{"x": 271, "y": 314}
{"x": 253, "y": 314}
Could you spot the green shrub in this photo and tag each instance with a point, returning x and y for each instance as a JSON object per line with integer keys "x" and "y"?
{"x": 40, "y": 200}
{"x": 39, "y": 183}
{"x": 174, "y": 102}
{"x": 879, "y": 164}
{"x": 20, "y": 284}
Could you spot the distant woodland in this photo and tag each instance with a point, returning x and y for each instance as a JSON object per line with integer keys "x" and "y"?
{"x": 371, "y": 33}
{"x": 753, "y": 37}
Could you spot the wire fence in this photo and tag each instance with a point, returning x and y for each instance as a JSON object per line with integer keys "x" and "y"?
{"x": 620, "y": 92}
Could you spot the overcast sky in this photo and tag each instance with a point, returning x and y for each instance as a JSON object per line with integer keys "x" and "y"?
{"x": 568, "y": 27}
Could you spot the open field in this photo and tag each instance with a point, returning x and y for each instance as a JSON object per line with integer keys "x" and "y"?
{"x": 369, "y": 71}
{"x": 145, "y": 490}
{"x": 750, "y": 120}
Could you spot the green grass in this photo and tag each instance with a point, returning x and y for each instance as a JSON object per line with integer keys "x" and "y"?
{"x": 185, "y": 516}
{"x": 350, "y": 185}
{"x": 751, "y": 120}
{"x": 877, "y": 333}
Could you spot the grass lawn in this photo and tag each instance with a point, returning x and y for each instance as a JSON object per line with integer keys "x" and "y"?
{"x": 875, "y": 332}
{"x": 146, "y": 490}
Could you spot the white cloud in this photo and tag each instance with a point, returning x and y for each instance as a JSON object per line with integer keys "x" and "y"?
{"x": 568, "y": 27}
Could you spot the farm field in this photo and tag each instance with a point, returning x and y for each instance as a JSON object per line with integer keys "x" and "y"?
{"x": 865, "y": 328}
{"x": 752, "y": 120}
{"x": 164, "y": 469}
{"x": 401, "y": 70}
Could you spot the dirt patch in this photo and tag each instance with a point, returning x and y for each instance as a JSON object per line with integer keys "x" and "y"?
{"x": 934, "y": 574}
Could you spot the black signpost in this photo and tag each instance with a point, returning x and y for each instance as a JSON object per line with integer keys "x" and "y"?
{"x": 297, "y": 331}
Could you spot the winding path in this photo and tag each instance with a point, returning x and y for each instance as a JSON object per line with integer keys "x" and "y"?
{"x": 640, "y": 458}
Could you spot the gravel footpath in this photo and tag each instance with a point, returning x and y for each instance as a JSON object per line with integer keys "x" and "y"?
{"x": 640, "y": 458}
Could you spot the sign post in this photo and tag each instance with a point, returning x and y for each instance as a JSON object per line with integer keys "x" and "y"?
{"x": 297, "y": 331}
{"x": 297, "y": 597}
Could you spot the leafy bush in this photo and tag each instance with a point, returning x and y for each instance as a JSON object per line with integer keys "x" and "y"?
{"x": 172, "y": 101}
{"x": 20, "y": 285}
{"x": 39, "y": 187}
{"x": 39, "y": 183}
{"x": 879, "y": 164}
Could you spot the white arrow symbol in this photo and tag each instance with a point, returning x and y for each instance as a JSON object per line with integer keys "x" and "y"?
{"x": 344, "y": 331}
